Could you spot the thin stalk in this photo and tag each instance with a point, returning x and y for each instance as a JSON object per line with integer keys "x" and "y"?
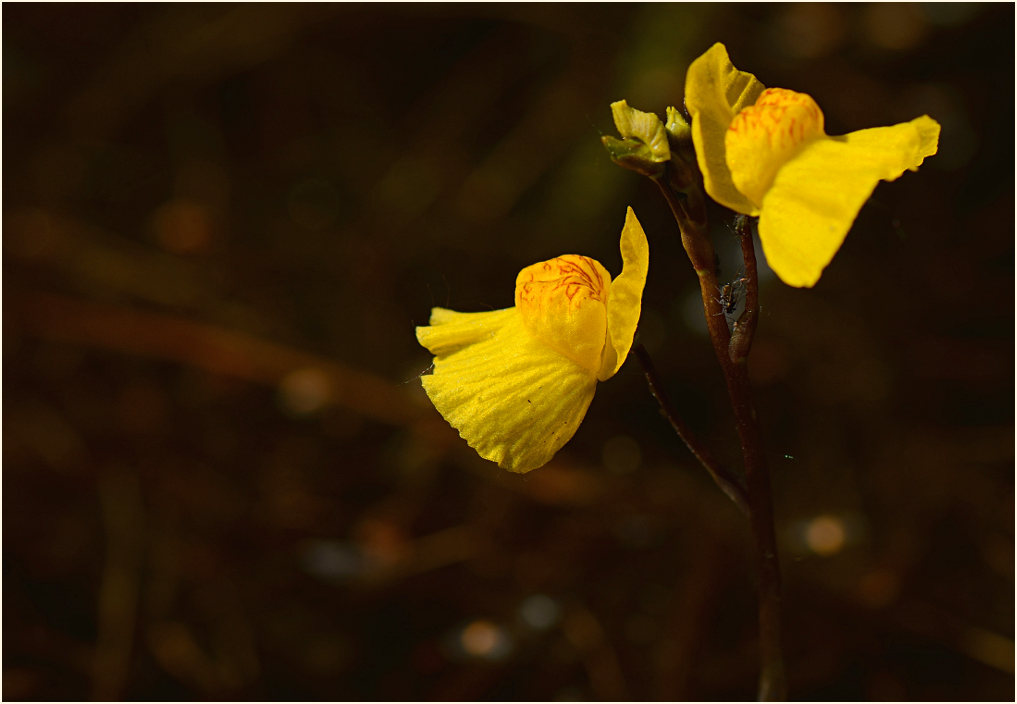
{"x": 690, "y": 214}
{"x": 732, "y": 353}
{"x": 745, "y": 327}
{"x": 772, "y": 681}
{"x": 730, "y": 484}
{"x": 772, "y": 685}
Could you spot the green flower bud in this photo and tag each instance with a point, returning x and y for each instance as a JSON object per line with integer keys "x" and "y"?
{"x": 644, "y": 127}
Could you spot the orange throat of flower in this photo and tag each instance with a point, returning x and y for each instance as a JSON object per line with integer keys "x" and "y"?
{"x": 764, "y": 136}
{"x": 563, "y": 302}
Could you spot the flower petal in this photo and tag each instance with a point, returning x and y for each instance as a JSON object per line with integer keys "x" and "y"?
{"x": 450, "y": 330}
{"x": 511, "y": 397}
{"x": 715, "y": 91}
{"x": 928, "y": 138}
{"x": 765, "y": 135}
{"x": 816, "y": 195}
{"x": 563, "y": 304}
{"x": 624, "y": 301}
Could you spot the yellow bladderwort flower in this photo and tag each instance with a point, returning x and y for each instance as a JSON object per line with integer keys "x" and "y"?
{"x": 764, "y": 152}
{"x": 516, "y": 382}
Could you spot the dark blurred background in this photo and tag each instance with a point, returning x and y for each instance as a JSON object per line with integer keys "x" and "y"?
{"x": 222, "y": 479}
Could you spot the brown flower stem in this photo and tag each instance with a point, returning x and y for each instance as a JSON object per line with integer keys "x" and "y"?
{"x": 732, "y": 353}
{"x": 745, "y": 327}
{"x": 691, "y": 216}
{"x": 730, "y": 484}
{"x": 772, "y": 686}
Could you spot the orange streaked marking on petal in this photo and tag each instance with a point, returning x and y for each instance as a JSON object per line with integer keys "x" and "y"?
{"x": 571, "y": 272}
{"x": 764, "y": 136}
{"x": 563, "y": 302}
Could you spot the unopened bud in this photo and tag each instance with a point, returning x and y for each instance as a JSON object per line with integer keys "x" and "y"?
{"x": 642, "y": 126}
{"x": 644, "y": 144}
{"x": 677, "y": 126}
{"x": 633, "y": 155}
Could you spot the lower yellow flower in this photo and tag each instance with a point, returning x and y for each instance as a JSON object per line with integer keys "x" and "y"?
{"x": 764, "y": 152}
{"x": 516, "y": 382}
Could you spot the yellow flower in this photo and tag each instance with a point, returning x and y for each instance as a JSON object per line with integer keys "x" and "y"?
{"x": 764, "y": 152}
{"x": 516, "y": 382}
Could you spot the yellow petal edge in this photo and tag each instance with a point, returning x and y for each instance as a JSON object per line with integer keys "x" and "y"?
{"x": 624, "y": 303}
{"x": 516, "y": 383}
{"x": 817, "y": 195}
{"x": 764, "y": 152}
{"x": 715, "y": 91}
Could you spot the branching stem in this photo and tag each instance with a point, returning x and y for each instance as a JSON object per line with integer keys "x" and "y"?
{"x": 732, "y": 349}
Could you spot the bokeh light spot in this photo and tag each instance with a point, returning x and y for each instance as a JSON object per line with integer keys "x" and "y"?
{"x": 332, "y": 560}
{"x": 304, "y": 391}
{"x": 484, "y": 639}
{"x": 825, "y": 535}
{"x": 539, "y": 612}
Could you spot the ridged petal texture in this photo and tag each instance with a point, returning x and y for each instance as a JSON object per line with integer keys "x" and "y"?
{"x": 512, "y": 398}
{"x": 516, "y": 383}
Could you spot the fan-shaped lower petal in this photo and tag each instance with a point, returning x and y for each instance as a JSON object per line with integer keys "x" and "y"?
{"x": 511, "y": 397}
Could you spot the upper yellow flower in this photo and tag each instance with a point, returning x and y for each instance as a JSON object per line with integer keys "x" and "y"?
{"x": 516, "y": 382}
{"x": 764, "y": 152}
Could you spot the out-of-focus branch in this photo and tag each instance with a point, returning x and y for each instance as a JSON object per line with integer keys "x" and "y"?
{"x": 204, "y": 346}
